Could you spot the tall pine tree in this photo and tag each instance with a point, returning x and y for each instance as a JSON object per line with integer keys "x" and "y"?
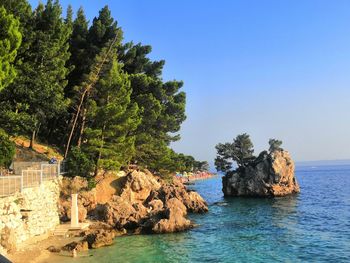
{"x": 162, "y": 105}
{"x": 37, "y": 95}
{"x": 89, "y": 45}
{"x": 111, "y": 120}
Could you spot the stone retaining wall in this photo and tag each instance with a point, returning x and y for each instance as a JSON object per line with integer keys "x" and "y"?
{"x": 33, "y": 212}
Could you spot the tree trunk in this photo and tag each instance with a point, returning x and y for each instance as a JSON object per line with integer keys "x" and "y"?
{"x": 82, "y": 127}
{"x": 32, "y": 140}
{"x": 96, "y": 165}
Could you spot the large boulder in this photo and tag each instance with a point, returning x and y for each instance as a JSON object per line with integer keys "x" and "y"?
{"x": 100, "y": 238}
{"x": 117, "y": 212}
{"x": 268, "y": 176}
{"x": 174, "y": 220}
{"x": 192, "y": 200}
{"x": 138, "y": 186}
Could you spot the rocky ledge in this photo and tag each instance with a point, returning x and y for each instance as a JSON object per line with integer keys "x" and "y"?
{"x": 141, "y": 204}
{"x": 269, "y": 175}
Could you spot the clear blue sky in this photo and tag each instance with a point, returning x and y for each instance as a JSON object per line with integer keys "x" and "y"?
{"x": 269, "y": 68}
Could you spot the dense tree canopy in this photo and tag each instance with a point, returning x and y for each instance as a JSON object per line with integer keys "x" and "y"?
{"x": 10, "y": 40}
{"x": 36, "y": 95}
{"x": 101, "y": 101}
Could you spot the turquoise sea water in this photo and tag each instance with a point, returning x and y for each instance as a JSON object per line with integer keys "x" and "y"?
{"x": 313, "y": 226}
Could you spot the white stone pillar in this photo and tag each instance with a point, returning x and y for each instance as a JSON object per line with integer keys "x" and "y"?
{"x": 74, "y": 220}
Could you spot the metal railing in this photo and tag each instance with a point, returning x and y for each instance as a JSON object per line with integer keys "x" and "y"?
{"x": 50, "y": 171}
{"x": 9, "y": 185}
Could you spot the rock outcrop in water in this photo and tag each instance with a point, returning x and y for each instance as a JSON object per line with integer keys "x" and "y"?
{"x": 269, "y": 175}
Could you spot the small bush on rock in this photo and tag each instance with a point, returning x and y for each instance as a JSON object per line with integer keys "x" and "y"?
{"x": 7, "y": 149}
{"x": 79, "y": 163}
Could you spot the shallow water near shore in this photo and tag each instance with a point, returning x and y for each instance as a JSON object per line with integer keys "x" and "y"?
{"x": 313, "y": 226}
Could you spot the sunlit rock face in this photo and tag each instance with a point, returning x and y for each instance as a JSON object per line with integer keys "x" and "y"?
{"x": 268, "y": 176}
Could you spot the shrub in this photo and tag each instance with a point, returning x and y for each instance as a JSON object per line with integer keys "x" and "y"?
{"x": 7, "y": 149}
{"x": 79, "y": 163}
{"x": 275, "y": 145}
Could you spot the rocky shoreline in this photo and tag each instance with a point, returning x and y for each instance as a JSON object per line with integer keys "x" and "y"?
{"x": 136, "y": 202}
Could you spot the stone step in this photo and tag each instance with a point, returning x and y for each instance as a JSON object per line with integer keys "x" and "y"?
{"x": 61, "y": 230}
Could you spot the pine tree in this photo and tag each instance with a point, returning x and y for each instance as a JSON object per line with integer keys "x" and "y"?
{"x": 240, "y": 150}
{"x": 77, "y": 65}
{"x": 37, "y": 95}
{"x": 10, "y": 40}
{"x": 162, "y": 106}
{"x": 102, "y": 30}
{"x": 111, "y": 119}
{"x": 78, "y": 49}
{"x": 69, "y": 17}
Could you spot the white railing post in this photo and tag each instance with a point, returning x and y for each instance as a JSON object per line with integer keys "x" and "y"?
{"x": 22, "y": 182}
{"x": 41, "y": 176}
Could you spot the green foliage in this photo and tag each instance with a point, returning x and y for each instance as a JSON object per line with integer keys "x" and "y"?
{"x": 275, "y": 145}
{"x": 127, "y": 113}
{"x": 78, "y": 49}
{"x": 202, "y": 166}
{"x": 91, "y": 183}
{"x": 162, "y": 106}
{"x": 7, "y": 149}
{"x": 240, "y": 150}
{"x": 79, "y": 163}
{"x": 10, "y": 40}
{"x": 111, "y": 119}
{"x": 37, "y": 93}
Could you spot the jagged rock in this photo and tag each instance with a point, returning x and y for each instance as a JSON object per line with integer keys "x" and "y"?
{"x": 138, "y": 186}
{"x": 100, "y": 238}
{"x": 175, "y": 220}
{"x": 195, "y": 203}
{"x": 192, "y": 200}
{"x": 156, "y": 205}
{"x": 144, "y": 204}
{"x": 116, "y": 213}
{"x": 88, "y": 199}
{"x": 268, "y": 176}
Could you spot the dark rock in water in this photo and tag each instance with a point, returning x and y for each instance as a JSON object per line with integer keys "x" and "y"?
{"x": 78, "y": 246}
{"x": 100, "y": 238}
{"x": 54, "y": 249}
{"x": 268, "y": 176}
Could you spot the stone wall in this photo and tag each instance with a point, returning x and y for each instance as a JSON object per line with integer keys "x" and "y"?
{"x": 33, "y": 212}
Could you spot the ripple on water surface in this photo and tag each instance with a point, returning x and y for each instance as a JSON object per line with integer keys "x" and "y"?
{"x": 313, "y": 226}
